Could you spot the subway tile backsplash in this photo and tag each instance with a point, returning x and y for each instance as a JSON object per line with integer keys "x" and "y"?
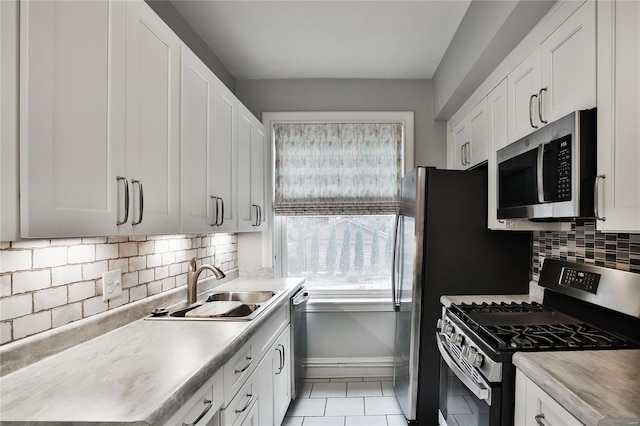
{"x": 45, "y": 284}
{"x": 583, "y": 244}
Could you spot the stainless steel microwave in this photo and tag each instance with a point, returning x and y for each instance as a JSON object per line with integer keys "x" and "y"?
{"x": 550, "y": 174}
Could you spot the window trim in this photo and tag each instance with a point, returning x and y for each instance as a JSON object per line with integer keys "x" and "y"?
{"x": 273, "y": 249}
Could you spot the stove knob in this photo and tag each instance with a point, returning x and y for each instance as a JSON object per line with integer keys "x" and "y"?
{"x": 477, "y": 361}
{"x": 471, "y": 354}
{"x": 439, "y": 324}
{"x": 465, "y": 350}
{"x": 457, "y": 339}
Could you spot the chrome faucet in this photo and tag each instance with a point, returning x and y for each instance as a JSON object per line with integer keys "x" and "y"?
{"x": 192, "y": 278}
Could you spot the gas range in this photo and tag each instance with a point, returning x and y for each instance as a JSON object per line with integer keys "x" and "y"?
{"x": 584, "y": 308}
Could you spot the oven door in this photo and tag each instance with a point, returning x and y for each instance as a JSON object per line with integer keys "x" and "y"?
{"x": 465, "y": 400}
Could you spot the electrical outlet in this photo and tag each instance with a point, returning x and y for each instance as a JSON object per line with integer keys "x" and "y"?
{"x": 111, "y": 284}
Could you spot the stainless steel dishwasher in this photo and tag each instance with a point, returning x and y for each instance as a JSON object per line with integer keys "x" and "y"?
{"x": 299, "y": 341}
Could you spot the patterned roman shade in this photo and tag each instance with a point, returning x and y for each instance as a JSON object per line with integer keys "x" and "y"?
{"x": 337, "y": 168}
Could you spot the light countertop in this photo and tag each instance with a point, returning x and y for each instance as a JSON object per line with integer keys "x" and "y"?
{"x": 592, "y": 385}
{"x": 137, "y": 374}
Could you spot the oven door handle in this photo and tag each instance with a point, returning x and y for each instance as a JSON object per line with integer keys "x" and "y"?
{"x": 481, "y": 390}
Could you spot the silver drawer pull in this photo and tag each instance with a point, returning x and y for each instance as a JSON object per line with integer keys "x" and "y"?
{"x": 245, "y": 367}
{"x": 243, "y": 409}
{"x": 126, "y": 201}
{"x": 530, "y": 111}
{"x": 140, "y": 201}
{"x": 596, "y": 198}
{"x": 209, "y": 404}
{"x": 539, "y": 418}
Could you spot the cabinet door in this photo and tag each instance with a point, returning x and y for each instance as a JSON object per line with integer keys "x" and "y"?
{"x": 71, "y": 117}
{"x": 282, "y": 376}
{"x": 250, "y": 172}
{"x": 461, "y": 141}
{"x": 152, "y": 121}
{"x": 224, "y": 152}
{"x": 477, "y": 149}
{"x": 497, "y": 124}
{"x": 569, "y": 65}
{"x": 198, "y": 88}
{"x": 534, "y": 406}
{"x": 618, "y": 112}
{"x": 523, "y": 83}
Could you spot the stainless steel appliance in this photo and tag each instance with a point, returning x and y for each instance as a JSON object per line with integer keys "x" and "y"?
{"x": 584, "y": 308}
{"x": 551, "y": 173}
{"x": 299, "y": 341}
{"x": 443, "y": 247}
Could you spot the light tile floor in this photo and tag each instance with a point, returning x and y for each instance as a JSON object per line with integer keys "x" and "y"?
{"x": 346, "y": 402}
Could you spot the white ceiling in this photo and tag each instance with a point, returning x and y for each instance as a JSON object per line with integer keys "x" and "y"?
{"x": 326, "y": 39}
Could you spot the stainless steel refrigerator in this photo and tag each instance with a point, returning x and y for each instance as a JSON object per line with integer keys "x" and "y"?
{"x": 443, "y": 247}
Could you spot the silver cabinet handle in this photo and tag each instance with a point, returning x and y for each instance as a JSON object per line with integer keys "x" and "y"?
{"x": 284, "y": 358}
{"x": 531, "y": 112}
{"x": 596, "y": 201}
{"x": 215, "y": 210}
{"x": 140, "y": 201}
{"x": 245, "y": 367}
{"x": 466, "y": 153}
{"x": 221, "y": 212}
{"x": 544, "y": 89}
{"x": 462, "y": 154}
{"x": 539, "y": 418}
{"x": 243, "y": 409}
{"x": 255, "y": 208}
{"x": 209, "y": 404}
{"x": 394, "y": 266}
{"x": 539, "y": 173}
{"x": 280, "y": 350}
{"x": 126, "y": 200}
{"x": 259, "y": 215}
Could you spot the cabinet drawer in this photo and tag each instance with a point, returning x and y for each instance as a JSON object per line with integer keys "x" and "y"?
{"x": 238, "y": 369}
{"x": 242, "y": 403}
{"x": 270, "y": 331}
{"x": 203, "y": 405}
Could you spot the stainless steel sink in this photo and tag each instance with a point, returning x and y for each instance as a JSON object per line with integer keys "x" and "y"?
{"x": 249, "y": 305}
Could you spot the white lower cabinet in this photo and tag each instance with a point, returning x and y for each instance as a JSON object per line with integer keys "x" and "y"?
{"x": 242, "y": 404}
{"x": 201, "y": 408}
{"x": 534, "y": 406}
{"x": 275, "y": 380}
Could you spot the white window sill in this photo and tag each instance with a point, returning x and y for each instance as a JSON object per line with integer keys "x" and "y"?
{"x": 349, "y": 305}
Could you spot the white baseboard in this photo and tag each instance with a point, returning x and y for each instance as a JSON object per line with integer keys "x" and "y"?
{"x": 325, "y": 368}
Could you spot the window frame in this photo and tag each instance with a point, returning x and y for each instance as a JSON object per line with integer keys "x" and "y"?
{"x": 274, "y": 247}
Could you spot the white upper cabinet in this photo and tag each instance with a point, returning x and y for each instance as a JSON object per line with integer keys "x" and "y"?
{"x": 225, "y": 135}
{"x": 251, "y": 172}
{"x": 618, "y": 185}
{"x": 557, "y": 78}
{"x": 198, "y": 205}
{"x": 497, "y": 124}
{"x": 72, "y": 138}
{"x": 152, "y": 121}
{"x": 470, "y": 139}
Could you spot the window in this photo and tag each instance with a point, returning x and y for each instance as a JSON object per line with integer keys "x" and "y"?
{"x": 336, "y": 190}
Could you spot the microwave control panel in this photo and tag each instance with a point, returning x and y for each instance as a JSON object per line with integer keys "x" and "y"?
{"x": 564, "y": 168}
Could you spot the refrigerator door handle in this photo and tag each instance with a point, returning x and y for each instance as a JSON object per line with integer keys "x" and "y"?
{"x": 394, "y": 271}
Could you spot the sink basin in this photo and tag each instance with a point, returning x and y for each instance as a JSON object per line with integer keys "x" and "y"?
{"x": 220, "y": 306}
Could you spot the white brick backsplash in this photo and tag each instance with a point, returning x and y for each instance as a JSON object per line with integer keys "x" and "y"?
{"x": 49, "y": 298}
{"x": 31, "y": 281}
{"x": 31, "y": 324}
{"x": 66, "y": 314}
{"x": 146, "y": 247}
{"x": 30, "y": 244}
{"x": 154, "y": 260}
{"x": 93, "y": 306}
{"x": 5, "y": 332}
{"x": 162, "y": 246}
{"x": 81, "y": 254}
{"x": 45, "y": 284}
{"x": 122, "y": 264}
{"x": 49, "y": 257}
{"x": 128, "y": 249}
{"x": 14, "y": 260}
{"x": 162, "y": 272}
{"x": 129, "y": 279}
{"x": 137, "y": 263}
{"x": 92, "y": 271}
{"x": 106, "y": 251}
{"x": 5, "y": 285}
{"x": 15, "y": 306}
{"x": 66, "y": 275}
{"x": 138, "y": 293}
{"x": 82, "y": 290}
{"x": 146, "y": 276}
